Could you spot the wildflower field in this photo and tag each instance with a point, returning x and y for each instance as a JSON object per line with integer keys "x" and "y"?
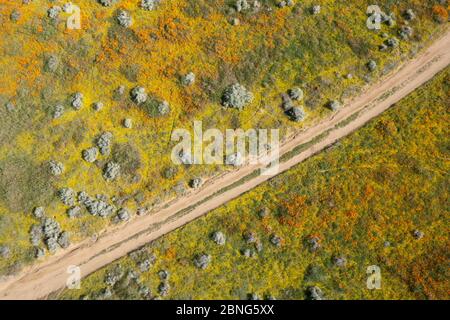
{"x": 377, "y": 198}
{"x": 62, "y": 89}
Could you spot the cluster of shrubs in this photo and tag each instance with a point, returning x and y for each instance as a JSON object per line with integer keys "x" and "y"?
{"x": 154, "y": 107}
{"x": 49, "y": 232}
{"x": 125, "y": 284}
{"x": 236, "y": 96}
{"x": 294, "y": 112}
{"x": 96, "y": 206}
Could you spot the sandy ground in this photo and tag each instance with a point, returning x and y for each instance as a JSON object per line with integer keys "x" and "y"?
{"x": 40, "y": 280}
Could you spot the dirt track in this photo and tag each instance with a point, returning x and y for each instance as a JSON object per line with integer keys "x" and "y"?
{"x": 42, "y": 279}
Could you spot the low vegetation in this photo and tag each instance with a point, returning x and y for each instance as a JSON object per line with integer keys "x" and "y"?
{"x": 376, "y": 198}
{"x": 63, "y": 89}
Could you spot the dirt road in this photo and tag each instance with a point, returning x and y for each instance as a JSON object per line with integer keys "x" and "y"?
{"x": 42, "y": 279}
